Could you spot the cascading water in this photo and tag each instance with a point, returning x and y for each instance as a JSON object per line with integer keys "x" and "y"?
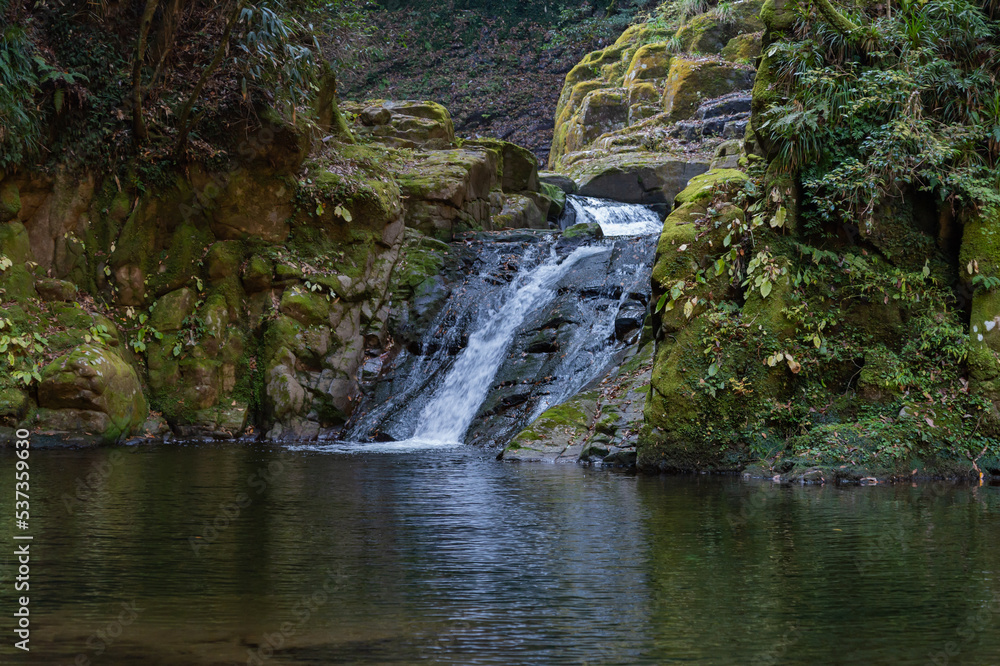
{"x": 616, "y": 219}
{"x": 448, "y": 415}
{"x": 533, "y": 323}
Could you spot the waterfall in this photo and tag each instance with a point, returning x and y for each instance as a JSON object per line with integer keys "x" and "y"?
{"x": 616, "y": 219}
{"x": 448, "y": 415}
{"x": 533, "y": 322}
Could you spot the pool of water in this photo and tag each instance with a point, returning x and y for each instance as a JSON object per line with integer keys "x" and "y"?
{"x": 233, "y": 555}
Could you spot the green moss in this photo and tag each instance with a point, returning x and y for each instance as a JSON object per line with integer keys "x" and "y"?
{"x": 692, "y": 81}
{"x": 308, "y": 308}
{"x": 10, "y": 201}
{"x": 701, "y": 189}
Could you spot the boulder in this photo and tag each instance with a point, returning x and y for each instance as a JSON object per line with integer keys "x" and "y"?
{"x": 100, "y": 387}
{"x": 636, "y": 178}
{"x": 50, "y": 289}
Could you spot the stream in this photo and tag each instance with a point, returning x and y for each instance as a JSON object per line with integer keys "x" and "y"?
{"x": 234, "y": 553}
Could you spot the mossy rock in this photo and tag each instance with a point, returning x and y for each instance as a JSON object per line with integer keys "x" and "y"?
{"x": 307, "y": 308}
{"x": 559, "y": 433}
{"x": 702, "y": 188}
{"x": 16, "y": 282}
{"x": 172, "y": 309}
{"x": 641, "y": 33}
{"x": 452, "y": 176}
{"x": 691, "y": 81}
{"x": 258, "y": 274}
{"x": 10, "y": 201}
{"x": 981, "y": 246}
{"x": 223, "y": 259}
{"x": 711, "y": 33}
{"x": 14, "y": 242}
{"x": 557, "y": 197}
{"x": 778, "y": 15}
{"x": 584, "y": 230}
{"x": 602, "y": 111}
{"x": 371, "y": 203}
{"x": 92, "y": 378}
{"x": 14, "y": 406}
{"x": 50, "y": 289}
{"x": 744, "y": 48}
{"x": 651, "y": 61}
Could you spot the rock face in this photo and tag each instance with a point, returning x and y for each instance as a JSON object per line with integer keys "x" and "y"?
{"x": 638, "y": 119}
{"x": 598, "y": 425}
{"x": 245, "y": 301}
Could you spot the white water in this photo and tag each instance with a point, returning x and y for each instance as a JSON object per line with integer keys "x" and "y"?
{"x": 447, "y": 416}
{"x": 616, "y": 219}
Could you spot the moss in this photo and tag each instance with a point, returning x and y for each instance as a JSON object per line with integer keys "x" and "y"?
{"x": 10, "y": 201}
{"x": 651, "y": 61}
{"x": 583, "y": 230}
{"x": 692, "y": 81}
{"x": 701, "y": 189}
{"x": 308, "y": 308}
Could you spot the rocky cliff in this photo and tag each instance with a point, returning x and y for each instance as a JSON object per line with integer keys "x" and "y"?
{"x": 805, "y": 326}
{"x": 223, "y": 302}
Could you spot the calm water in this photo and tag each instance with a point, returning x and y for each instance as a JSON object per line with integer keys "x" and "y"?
{"x": 450, "y": 557}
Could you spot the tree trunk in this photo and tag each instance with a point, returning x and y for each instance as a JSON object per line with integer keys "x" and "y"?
{"x": 138, "y": 123}
{"x": 164, "y": 42}
{"x": 327, "y": 111}
{"x": 183, "y": 124}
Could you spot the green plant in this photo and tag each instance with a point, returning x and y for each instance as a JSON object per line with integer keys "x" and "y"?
{"x": 20, "y": 120}
{"x": 20, "y": 350}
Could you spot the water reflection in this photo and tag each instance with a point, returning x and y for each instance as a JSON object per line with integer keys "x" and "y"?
{"x": 232, "y": 555}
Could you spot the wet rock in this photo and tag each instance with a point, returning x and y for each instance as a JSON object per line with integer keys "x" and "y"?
{"x": 629, "y": 320}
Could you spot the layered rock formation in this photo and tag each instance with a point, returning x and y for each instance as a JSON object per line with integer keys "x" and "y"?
{"x": 637, "y": 120}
